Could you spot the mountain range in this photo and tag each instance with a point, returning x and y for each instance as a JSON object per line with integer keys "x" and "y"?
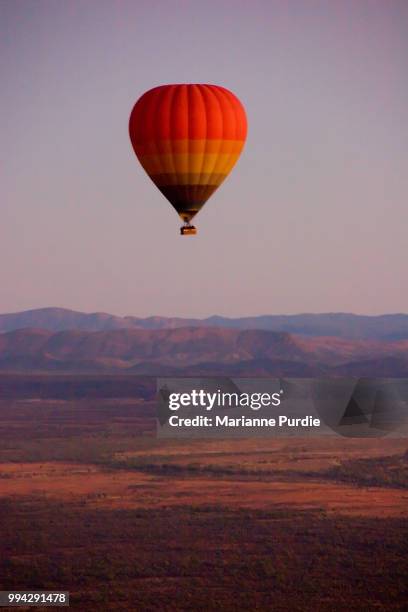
{"x": 199, "y": 351}
{"x": 341, "y": 325}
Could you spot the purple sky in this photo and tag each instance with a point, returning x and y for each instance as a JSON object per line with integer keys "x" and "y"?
{"x": 314, "y": 216}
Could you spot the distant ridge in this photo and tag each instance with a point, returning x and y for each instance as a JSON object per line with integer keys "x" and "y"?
{"x": 342, "y": 325}
{"x": 198, "y": 351}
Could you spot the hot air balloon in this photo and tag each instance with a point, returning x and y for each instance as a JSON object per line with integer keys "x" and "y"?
{"x": 188, "y": 138}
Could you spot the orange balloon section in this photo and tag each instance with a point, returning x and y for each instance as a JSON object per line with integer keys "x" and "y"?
{"x": 188, "y": 138}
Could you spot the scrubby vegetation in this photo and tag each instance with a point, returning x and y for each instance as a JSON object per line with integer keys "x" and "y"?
{"x": 208, "y": 558}
{"x": 206, "y": 554}
{"x": 379, "y": 472}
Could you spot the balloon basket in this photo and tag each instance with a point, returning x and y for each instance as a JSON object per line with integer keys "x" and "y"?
{"x": 188, "y": 230}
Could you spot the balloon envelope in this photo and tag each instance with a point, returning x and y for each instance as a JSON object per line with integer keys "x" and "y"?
{"x": 188, "y": 138}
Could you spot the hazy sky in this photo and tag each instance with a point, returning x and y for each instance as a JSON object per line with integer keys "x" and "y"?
{"x": 314, "y": 216}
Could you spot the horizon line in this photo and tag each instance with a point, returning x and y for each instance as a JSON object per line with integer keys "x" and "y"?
{"x": 203, "y": 318}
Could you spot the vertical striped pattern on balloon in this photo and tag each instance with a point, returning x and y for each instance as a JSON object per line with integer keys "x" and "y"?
{"x": 188, "y": 138}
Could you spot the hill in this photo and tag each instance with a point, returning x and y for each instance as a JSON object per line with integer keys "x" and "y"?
{"x": 197, "y": 351}
{"x": 342, "y": 325}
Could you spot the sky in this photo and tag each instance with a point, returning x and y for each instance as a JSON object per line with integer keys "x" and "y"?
{"x": 313, "y": 218}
